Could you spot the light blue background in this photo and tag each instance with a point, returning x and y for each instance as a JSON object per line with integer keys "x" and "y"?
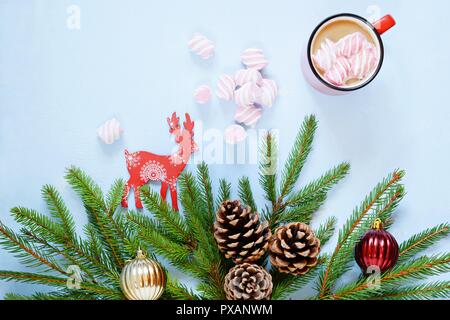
{"x": 130, "y": 61}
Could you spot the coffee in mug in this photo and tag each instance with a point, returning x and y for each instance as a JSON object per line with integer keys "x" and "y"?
{"x": 345, "y": 53}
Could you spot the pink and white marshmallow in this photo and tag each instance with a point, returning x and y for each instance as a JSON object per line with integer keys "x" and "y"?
{"x": 202, "y": 46}
{"x": 243, "y": 76}
{"x": 254, "y": 58}
{"x": 248, "y": 115}
{"x": 351, "y": 45}
{"x": 363, "y": 63}
{"x": 340, "y": 73}
{"x": 110, "y": 131}
{"x": 248, "y": 94}
{"x": 326, "y": 56}
{"x": 269, "y": 92}
{"x": 249, "y": 91}
{"x": 202, "y": 94}
{"x": 226, "y": 87}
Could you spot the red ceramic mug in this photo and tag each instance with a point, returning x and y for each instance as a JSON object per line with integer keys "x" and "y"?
{"x": 375, "y": 29}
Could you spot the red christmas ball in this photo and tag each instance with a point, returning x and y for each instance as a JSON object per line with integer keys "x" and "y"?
{"x": 377, "y": 248}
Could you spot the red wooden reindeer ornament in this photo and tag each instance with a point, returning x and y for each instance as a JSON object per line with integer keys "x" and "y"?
{"x": 145, "y": 166}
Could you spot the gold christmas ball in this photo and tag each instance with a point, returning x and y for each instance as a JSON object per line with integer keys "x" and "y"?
{"x": 142, "y": 279}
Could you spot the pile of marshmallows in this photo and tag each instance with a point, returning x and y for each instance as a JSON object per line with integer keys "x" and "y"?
{"x": 351, "y": 58}
{"x": 249, "y": 90}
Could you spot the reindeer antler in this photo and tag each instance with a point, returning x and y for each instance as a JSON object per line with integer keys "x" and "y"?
{"x": 189, "y": 124}
{"x": 173, "y": 122}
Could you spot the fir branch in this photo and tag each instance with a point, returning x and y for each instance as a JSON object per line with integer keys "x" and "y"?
{"x": 213, "y": 282}
{"x": 178, "y": 291}
{"x": 211, "y": 269}
{"x": 177, "y": 254}
{"x": 92, "y": 196}
{"x": 35, "y": 296}
{"x": 224, "y": 192}
{"x": 291, "y": 173}
{"x": 326, "y": 231}
{"x": 297, "y": 157}
{"x": 422, "y": 241}
{"x": 59, "y": 210}
{"x": 90, "y": 192}
{"x": 302, "y": 212}
{"x": 268, "y": 167}
{"x": 320, "y": 187}
{"x": 417, "y": 269}
{"x": 139, "y": 221}
{"x": 435, "y": 290}
{"x": 98, "y": 259}
{"x": 58, "y": 296}
{"x": 169, "y": 219}
{"x": 280, "y": 215}
{"x": 51, "y": 250}
{"x": 25, "y": 251}
{"x": 26, "y": 277}
{"x": 196, "y": 216}
{"x": 131, "y": 242}
{"x": 204, "y": 181}
{"x": 246, "y": 194}
{"x": 380, "y": 203}
{"x": 114, "y": 197}
{"x": 286, "y": 284}
{"x": 40, "y": 224}
{"x": 193, "y": 209}
{"x": 42, "y": 227}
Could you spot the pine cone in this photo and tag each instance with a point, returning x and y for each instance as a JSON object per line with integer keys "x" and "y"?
{"x": 294, "y": 248}
{"x": 248, "y": 282}
{"x": 239, "y": 233}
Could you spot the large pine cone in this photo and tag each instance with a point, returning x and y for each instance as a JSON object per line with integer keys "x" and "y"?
{"x": 248, "y": 282}
{"x": 239, "y": 233}
{"x": 294, "y": 248}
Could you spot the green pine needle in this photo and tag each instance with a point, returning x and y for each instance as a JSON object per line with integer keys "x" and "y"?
{"x": 114, "y": 196}
{"x": 268, "y": 164}
{"x": 110, "y": 234}
{"x": 434, "y": 290}
{"x": 403, "y": 274}
{"x": 26, "y": 277}
{"x": 326, "y": 231}
{"x": 297, "y": 157}
{"x": 303, "y": 212}
{"x": 59, "y": 210}
{"x": 224, "y": 193}
{"x": 319, "y": 187}
{"x": 178, "y": 291}
{"x": 206, "y": 192}
{"x": 170, "y": 220}
{"x": 246, "y": 194}
{"x": 26, "y": 251}
{"x": 422, "y": 241}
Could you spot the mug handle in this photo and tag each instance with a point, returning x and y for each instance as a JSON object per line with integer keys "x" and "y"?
{"x": 384, "y": 24}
